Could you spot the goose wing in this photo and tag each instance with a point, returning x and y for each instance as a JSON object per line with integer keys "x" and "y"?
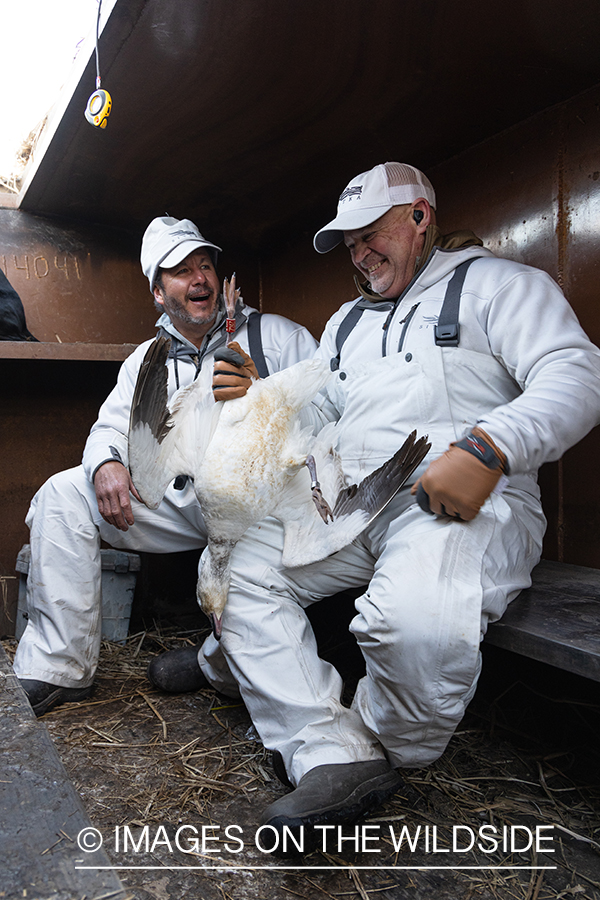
{"x": 307, "y": 537}
{"x": 376, "y": 490}
{"x": 163, "y": 442}
{"x": 149, "y": 404}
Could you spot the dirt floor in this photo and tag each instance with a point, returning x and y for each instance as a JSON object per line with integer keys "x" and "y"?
{"x": 159, "y": 773}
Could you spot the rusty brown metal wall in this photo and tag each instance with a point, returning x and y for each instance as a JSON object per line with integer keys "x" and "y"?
{"x": 77, "y": 283}
{"x": 48, "y": 407}
{"x": 533, "y": 194}
{"x": 88, "y": 303}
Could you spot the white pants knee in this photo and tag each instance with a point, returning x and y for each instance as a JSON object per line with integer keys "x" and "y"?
{"x": 433, "y": 586}
{"x": 61, "y": 642}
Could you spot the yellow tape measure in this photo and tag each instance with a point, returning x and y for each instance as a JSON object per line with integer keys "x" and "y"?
{"x": 98, "y": 108}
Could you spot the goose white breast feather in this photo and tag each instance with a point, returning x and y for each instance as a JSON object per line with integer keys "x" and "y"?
{"x": 247, "y": 458}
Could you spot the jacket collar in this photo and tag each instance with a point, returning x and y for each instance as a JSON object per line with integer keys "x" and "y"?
{"x": 216, "y": 337}
{"x": 434, "y": 240}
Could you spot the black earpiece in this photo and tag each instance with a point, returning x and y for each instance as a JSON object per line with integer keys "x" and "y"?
{"x": 418, "y": 216}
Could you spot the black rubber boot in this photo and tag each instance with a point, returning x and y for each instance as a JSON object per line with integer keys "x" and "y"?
{"x": 177, "y": 671}
{"x": 44, "y": 697}
{"x": 336, "y": 794}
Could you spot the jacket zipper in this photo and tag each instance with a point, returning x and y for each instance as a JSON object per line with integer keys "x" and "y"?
{"x": 398, "y": 301}
{"x": 406, "y": 320}
{"x": 405, "y": 323}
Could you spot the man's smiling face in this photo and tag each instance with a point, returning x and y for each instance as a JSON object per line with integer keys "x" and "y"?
{"x": 385, "y": 251}
{"x": 189, "y": 294}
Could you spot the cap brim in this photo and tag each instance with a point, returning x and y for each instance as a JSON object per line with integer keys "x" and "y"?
{"x": 182, "y": 250}
{"x": 333, "y": 233}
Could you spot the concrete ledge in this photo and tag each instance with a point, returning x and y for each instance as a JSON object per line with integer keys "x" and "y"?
{"x": 41, "y": 813}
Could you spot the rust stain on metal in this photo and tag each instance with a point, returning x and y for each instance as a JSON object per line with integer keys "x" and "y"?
{"x": 562, "y": 235}
{"x": 562, "y": 213}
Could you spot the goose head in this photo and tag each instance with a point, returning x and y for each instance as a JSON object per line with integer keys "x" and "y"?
{"x": 213, "y": 581}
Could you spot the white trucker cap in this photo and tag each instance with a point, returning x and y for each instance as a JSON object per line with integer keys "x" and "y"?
{"x": 370, "y": 195}
{"x": 166, "y": 242}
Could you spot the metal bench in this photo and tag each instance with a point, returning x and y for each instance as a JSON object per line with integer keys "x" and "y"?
{"x": 556, "y": 620}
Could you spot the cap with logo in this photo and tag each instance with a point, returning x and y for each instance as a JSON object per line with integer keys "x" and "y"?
{"x": 167, "y": 242}
{"x": 370, "y": 195}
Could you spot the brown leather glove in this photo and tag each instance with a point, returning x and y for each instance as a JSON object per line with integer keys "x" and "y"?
{"x": 234, "y": 372}
{"x": 458, "y": 483}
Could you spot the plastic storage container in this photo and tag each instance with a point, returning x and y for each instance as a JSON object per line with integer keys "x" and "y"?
{"x": 119, "y": 572}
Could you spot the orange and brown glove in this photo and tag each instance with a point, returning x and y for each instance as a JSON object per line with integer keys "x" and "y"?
{"x": 458, "y": 483}
{"x": 234, "y": 372}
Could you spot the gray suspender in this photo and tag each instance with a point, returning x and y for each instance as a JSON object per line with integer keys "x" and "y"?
{"x": 255, "y": 345}
{"x": 348, "y": 323}
{"x": 447, "y": 331}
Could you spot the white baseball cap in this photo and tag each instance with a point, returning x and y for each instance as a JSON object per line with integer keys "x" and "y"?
{"x": 166, "y": 242}
{"x": 370, "y": 195}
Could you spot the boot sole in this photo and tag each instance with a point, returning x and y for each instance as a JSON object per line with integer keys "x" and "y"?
{"x": 57, "y": 698}
{"x": 347, "y": 812}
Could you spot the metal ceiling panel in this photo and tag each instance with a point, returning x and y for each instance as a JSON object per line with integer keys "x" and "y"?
{"x": 246, "y": 114}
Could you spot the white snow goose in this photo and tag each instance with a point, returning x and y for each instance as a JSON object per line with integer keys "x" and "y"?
{"x": 248, "y": 459}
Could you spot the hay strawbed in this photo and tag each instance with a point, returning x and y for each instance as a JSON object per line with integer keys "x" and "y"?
{"x": 148, "y": 764}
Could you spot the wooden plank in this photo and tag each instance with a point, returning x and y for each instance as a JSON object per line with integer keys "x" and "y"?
{"x": 50, "y": 350}
{"x": 557, "y": 620}
{"x": 41, "y": 813}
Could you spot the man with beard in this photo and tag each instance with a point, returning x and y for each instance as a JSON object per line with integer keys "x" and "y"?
{"x": 58, "y": 653}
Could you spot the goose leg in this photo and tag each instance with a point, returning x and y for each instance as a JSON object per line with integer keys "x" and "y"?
{"x": 320, "y": 502}
{"x": 230, "y": 295}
